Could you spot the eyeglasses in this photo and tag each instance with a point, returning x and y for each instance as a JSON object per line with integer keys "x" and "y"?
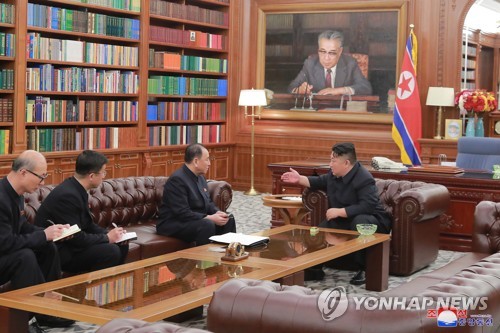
{"x": 41, "y": 177}
{"x": 324, "y": 53}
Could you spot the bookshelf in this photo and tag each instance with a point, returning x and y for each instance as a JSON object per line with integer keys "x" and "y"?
{"x": 85, "y": 66}
{"x": 7, "y": 56}
{"x": 187, "y": 72}
{"x": 478, "y": 60}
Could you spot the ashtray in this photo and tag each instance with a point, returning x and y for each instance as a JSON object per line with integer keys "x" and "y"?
{"x": 366, "y": 229}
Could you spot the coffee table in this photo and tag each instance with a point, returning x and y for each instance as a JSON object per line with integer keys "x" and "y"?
{"x": 150, "y": 289}
{"x": 295, "y": 249}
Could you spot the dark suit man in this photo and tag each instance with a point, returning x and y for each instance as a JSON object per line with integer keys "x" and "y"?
{"x": 344, "y": 77}
{"x": 187, "y": 212}
{"x": 94, "y": 247}
{"x": 27, "y": 254}
{"x": 352, "y": 197}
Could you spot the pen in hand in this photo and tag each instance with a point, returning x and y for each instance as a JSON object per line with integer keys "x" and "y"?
{"x": 51, "y": 222}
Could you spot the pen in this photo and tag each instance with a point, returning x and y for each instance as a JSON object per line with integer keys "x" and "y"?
{"x": 51, "y": 222}
{"x": 114, "y": 225}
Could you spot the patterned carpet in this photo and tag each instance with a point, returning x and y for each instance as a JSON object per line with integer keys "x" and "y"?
{"x": 252, "y": 216}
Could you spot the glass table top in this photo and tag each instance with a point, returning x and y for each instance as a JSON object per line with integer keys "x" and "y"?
{"x": 140, "y": 287}
{"x": 298, "y": 242}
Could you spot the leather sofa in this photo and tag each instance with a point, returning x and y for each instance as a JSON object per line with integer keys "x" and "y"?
{"x": 262, "y": 306}
{"x": 133, "y": 203}
{"x": 139, "y": 326}
{"x": 416, "y": 208}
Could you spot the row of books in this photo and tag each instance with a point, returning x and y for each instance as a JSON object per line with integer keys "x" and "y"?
{"x": 62, "y": 139}
{"x": 39, "y": 47}
{"x": 187, "y": 37}
{"x": 471, "y": 51}
{"x": 7, "y": 13}
{"x": 6, "y": 109}
{"x": 7, "y": 79}
{"x": 7, "y": 44}
{"x": 76, "y": 79}
{"x": 176, "y": 85}
{"x": 81, "y": 21}
{"x": 469, "y": 75}
{"x": 188, "y": 12}
{"x": 45, "y": 109}
{"x": 132, "y": 5}
{"x": 186, "y": 111}
{"x": 279, "y": 50}
{"x": 4, "y": 141}
{"x": 116, "y": 289}
{"x": 185, "y": 134}
{"x": 177, "y": 61}
{"x": 471, "y": 64}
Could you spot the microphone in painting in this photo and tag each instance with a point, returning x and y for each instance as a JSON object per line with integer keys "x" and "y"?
{"x": 306, "y": 91}
{"x": 297, "y": 94}
{"x": 308, "y": 95}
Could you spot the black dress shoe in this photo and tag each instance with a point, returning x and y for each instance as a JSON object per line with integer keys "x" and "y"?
{"x": 35, "y": 328}
{"x": 311, "y": 274}
{"x": 51, "y": 321}
{"x": 358, "y": 279}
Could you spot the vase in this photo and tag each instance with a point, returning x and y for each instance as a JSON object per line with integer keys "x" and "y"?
{"x": 470, "y": 129}
{"x": 479, "y": 127}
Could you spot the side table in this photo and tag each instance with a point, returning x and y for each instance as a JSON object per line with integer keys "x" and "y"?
{"x": 292, "y": 210}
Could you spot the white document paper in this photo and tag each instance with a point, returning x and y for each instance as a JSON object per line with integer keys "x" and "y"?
{"x": 246, "y": 240}
{"x": 68, "y": 232}
{"x": 128, "y": 236}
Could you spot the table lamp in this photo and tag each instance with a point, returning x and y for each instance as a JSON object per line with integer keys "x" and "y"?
{"x": 253, "y": 98}
{"x": 440, "y": 96}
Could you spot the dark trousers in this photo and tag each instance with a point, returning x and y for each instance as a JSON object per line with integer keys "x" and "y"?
{"x": 200, "y": 231}
{"x": 29, "y": 267}
{"x": 93, "y": 258}
{"x": 359, "y": 257}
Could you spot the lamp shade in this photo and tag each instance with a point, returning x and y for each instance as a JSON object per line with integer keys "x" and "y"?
{"x": 252, "y": 97}
{"x": 440, "y": 96}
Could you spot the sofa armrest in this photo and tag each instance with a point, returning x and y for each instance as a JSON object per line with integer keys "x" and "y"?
{"x": 317, "y": 203}
{"x": 221, "y": 193}
{"x": 422, "y": 203}
{"x": 486, "y": 234}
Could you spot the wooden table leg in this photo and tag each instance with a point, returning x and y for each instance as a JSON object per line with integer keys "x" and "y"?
{"x": 13, "y": 320}
{"x": 377, "y": 267}
{"x": 288, "y": 218}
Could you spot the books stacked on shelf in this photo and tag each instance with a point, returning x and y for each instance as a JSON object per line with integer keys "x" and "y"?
{"x": 7, "y": 13}
{"x": 4, "y": 141}
{"x": 43, "y": 48}
{"x": 61, "y": 139}
{"x": 45, "y": 109}
{"x": 177, "y": 61}
{"x": 7, "y": 79}
{"x": 187, "y": 37}
{"x": 81, "y": 21}
{"x": 108, "y": 137}
{"x": 185, "y": 134}
{"x": 6, "y": 109}
{"x": 176, "y": 85}
{"x": 113, "y": 290}
{"x": 132, "y": 5}
{"x": 188, "y": 12}
{"x": 7, "y": 44}
{"x": 76, "y": 79}
{"x": 176, "y": 110}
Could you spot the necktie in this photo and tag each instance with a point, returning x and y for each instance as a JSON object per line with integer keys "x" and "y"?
{"x": 328, "y": 78}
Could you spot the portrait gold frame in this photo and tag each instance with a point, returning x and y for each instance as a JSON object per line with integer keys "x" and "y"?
{"x": 400, "y": 6}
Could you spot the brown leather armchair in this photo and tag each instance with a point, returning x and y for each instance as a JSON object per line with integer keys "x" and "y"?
{"x": 416, "y": 208}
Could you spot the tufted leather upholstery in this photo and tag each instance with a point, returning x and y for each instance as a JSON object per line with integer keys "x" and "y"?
{"x": 133, "y": 203}
{"x": 261, "y": 306}
{"x": 124, "y": 325}
{"x": 416, "y": 208}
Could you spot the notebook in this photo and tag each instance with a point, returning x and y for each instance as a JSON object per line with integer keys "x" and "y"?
{"x": 246, "y": 240}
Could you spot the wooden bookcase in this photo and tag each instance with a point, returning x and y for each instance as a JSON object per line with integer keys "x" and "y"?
{"x": 93, "y": 97}
{"x": 7, "y": 56}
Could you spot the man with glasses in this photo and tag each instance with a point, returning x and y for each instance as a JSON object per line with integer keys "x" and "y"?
{"x": 27, "y": 254}
{"x": 330, "y": 72}
{"x": 352, "y": 199}
{"x": 93, "y": 247}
